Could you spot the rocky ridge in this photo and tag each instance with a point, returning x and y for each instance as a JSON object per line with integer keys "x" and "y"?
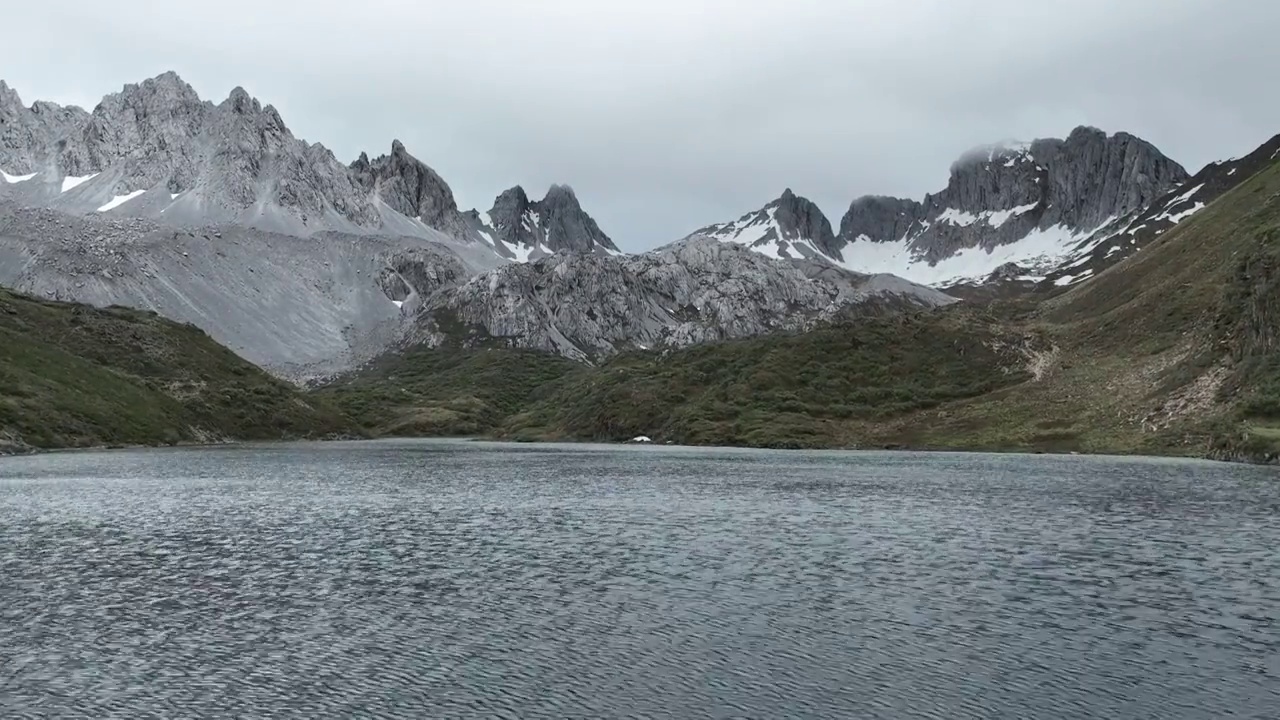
{"x": 588, "y": 306}
{"x": 534, "y": 229}
{"x": 1034, "y": 205}
{"x": 157, "y": 150}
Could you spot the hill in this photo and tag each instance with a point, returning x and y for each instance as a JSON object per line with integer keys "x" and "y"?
{"x": 78, "y": 376}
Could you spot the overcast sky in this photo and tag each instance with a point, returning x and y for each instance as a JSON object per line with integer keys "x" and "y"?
{"x": 667, "y": 115}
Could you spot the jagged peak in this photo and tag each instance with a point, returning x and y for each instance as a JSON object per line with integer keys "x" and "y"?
{"x": 561, "y": 195}
{"x": 1081, "y": 131}
{"x": 241, "y": 102}
{"x": 169, "y": 78}
{"x": 9, "y": 96}
{"x": 517, "y": 193}
{"x": 865, "y": 200}
{"x": 397, "y": 147}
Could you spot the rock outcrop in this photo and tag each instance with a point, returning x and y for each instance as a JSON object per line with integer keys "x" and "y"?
{"x": 586, "y": 306}
{"x": 533, "y": 229}
{"x": 789, "y": 227}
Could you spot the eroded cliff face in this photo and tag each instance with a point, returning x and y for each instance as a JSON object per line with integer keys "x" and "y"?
{"x": 1000, "y": 194}
{"x": 698, "y": 290}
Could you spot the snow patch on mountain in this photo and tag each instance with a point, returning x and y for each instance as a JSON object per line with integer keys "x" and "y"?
{"x": 119, "y": 200}
{"x": 1176, "y": 218}
{"x": 997, "y": 218}
{"x": 11, "y": 179}
{"x": 69, "y": 183}
{"x": 1039, "y": 250}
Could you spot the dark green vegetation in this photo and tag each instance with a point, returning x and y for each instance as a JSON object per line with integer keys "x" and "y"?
{"x": 76, "y": 376}
{"x": 446, "y": 392}
{"x": 797, "y": 390}
{"x": 1172, "y": 351}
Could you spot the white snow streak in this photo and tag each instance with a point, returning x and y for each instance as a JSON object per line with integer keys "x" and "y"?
{"x": 1186, "y": 195}
{"x": 1175, "y": 219}
{"x": 71, "y": 182}
{"x": 957, "y": 217}
{"x": 752, "y": 231}
{"x": 996, "y": 218}
{"x": 15, "y": 178}
{"x": 119, "y": 200}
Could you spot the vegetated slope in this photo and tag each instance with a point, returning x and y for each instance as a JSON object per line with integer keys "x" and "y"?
{"x": 76, "y": 376}
{"x": 799, "y": 390}
{"x": 445, "y": 391}
{"x": 1173, "y": 351}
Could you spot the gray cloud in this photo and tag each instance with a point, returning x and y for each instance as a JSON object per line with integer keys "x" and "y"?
{"x": 667, "y": 115}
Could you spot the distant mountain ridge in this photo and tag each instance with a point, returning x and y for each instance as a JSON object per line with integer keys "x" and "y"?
{"x": 1032, "y": 204}
{"x": 156, "y": 149}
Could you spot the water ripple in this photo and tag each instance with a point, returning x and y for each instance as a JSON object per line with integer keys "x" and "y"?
{"x": 466, "y": 580}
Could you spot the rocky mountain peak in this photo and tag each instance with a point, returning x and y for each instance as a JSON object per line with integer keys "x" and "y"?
{"x": 999, "y": 194}
{"x": 555, "y": 223}
{"x": 408, "y": 186}
{"x": 9, "y": 97}
{"x": 561, "y": 196}
{"x": 241, "y": 103}
{"x": 30, "y": 137}
{"x": 800, "y": 219}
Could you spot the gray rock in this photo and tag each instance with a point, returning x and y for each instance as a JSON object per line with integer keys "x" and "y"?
{"x": 557, "y": 223}
{"x": 789, "y": 227}
{"x": 698, "y": 290}
{"x": 1088, "y": 184}
{"x": 998, "y": 194}
{"x": 300, "y": 307}
{"x": 407, "y": 186}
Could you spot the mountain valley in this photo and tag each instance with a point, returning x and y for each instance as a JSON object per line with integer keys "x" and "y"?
{"x": 1084, "y": 294}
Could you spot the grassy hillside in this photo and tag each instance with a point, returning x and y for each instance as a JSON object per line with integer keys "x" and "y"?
{"x": 445, "y": 392}
{"x": 75, "y": 376}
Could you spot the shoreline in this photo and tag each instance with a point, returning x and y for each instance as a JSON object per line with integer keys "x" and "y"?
{"x": 1233, "y": 458}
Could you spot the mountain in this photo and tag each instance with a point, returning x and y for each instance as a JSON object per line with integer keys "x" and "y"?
{"x": 587, "y": 307}
{"x": 157, "y": 150}
{"x": 1033, "y": 205}
{"x": 528, "y": 230}
{"x": 215, "y": 214}
{"x": 789, "y": 227}
{"x": 1172, "y": 351}
{"x": 1176, "y": 206}
{"x": 75, "y": 376}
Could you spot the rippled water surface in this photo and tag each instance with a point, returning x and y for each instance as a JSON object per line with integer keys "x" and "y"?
{"x": 438, "y": 579}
